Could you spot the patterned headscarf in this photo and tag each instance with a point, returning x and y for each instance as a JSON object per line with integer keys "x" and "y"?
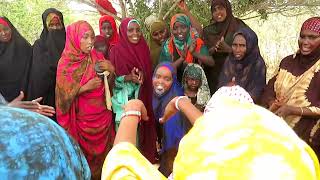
{"x": 312, "y": 24}
{"x": 195, "y": 71}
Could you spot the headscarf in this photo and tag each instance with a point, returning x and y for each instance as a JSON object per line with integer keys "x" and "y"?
{"x": 115, "y": 36}
{"x": 195, "y": 71}
{"x": 125, "y": 56}
{"x": 249, "y": 72}
{"x": 155, "y": 48}
{"x": 174, "y": 43}
{"x": 102, "y": 40}
{"x": 15, "y": 62}
{"x": 312, "y": 24}
{"x": 249, "y": 142}
{"x": 47, "y": 51}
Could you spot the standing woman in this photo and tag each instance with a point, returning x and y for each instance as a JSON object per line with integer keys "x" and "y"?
{"x": 15, "y": 60}
{"x": 245, "y": 66}
{"x": 218, "y": 37}
{"x": 108, "y": 29}
{"x": 46, "y": 53}
{"x": 184, "y": 46}
{"x": 80, "y": 102}
{"x": 293, "y": 93}
{"x": 131, "y": 58}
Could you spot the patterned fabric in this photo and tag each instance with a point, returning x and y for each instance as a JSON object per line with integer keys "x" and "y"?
{"x": 312, "y": 24}
{"x": 248, "y": 142}
{"x": 85, "y": 115}
{"x": 232, "y": 92}
{"x": 195, "y": 71}
{"x": 35, "y": 147}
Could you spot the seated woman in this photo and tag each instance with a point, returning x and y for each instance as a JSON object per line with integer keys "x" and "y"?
{"x": 195, "y": 85}
{"x": 133, "y": 69}
{"x": 293, "y": 93}
{"x": 46, "y": 53}
{"x": 247, "y": 142}
{"x": 81, "y": 105}
{"x": 166, "y": 87}
{"x": 183, "y": 46}
{"x": 158, "y": 34}
{"x": 15, "y": 61}
{"x": 34, "y": 147}
{"x": 245, "y": 66}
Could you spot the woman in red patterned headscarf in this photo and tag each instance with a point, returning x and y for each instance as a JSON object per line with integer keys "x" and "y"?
{"x": 294, "y": 92}
{"x": 80, "y": 103}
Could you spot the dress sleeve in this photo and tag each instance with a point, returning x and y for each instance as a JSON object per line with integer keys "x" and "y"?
{"x": 125, "y": 161}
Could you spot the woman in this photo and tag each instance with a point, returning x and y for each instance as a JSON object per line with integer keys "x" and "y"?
{"x": 294, "y": 92}
{"x": 108, "y": 29}
{"x": 218, "y": 37}
{"x": 41, "y": 148}
{"x": 166, "y": 87}
{"x": 133, "y": 68}
{"x": 183, "y": 46}
{"x": 245, "y": 66}
{"x": 15, "y": 60}
{"x": 102, "y": 45}
{"x": 158, "y": 34}
{"x": 247, "y": 142}
{"x": 195, "y": 85}
{"x": 46, "y": 53}
{"x": 80, "y": 102}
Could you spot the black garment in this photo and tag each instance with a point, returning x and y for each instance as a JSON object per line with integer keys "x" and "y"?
{"x": 46, "y": 54}
{"x": 15, "y": 61}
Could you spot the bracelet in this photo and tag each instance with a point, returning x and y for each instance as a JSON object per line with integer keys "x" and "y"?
{"x": 131, "y": 113}
{"x": 177, "y": 101}
{"x": 301, "y": 111}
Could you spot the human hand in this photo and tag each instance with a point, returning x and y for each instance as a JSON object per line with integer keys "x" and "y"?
{"x": 192, "y": 46}
{"x": 284, "y": 111}
{"x": 222, "y": 46}
{"x": 133, "y": 76}
{"x": 276, "y": 104}
{"x": 136, "y": 105}
{"x": 169, "y": 111}
{"x": 93, "y": 84}
{"x": 106, "y": 65}
{"x": 232, "y": 82}
{"x": 183, "y": 6}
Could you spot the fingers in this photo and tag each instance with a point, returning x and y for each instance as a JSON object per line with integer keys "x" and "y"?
{"x": 19, "y": 98}
{"x": 144, "y": 114}
{"x": 37, "y": 100}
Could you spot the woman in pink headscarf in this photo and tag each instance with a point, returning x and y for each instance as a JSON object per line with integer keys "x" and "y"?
{"x": 108, "y": 29}
{"x": 131, "y": 59}
{"x": 80, "y": 103}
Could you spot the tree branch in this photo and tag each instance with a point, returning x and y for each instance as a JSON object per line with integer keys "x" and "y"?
{"x": 171, "y": 9}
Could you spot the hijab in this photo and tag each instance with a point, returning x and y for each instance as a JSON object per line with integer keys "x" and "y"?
{"x": 249, "y": 72}
{"x": 15, "y": 62}
{"x": 47, "y": 51}
{"x": 125, "y": 56}
{"x": 115, "y": 36}
{"x": 155, "y": 48}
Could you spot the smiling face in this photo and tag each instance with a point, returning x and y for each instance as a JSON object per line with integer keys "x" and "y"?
{"x": 180, "y": 31}
{"x": 5, "y": 33}
{"x": 239, "y": 47}
{"x": 134, "y": 33}
{"x": 308, "y": 42}
{"x": 160, "y": 35}
{"x": 107, "y": 30}
{"x": 87, "y": 41}
{"x": 162, "y": 80}
{"x": 219, "y": 13}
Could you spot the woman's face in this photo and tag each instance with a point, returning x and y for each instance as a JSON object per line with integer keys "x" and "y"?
{"x": 239, "y": 47}
{"x": 308, "y": 41}
{"x": 219, "y": 13}
{"x": 193, "y": 84}
{"x": 107, "y": 30}
{"x": 134, "y": 33}
{"x": 5, "y": 33}
{"x": 55, "y": 24}
{"x": 162, "y": 80}
{"x": 160, "y": 35}
{"x": 87, "y": 41}
{"x": 180, "y": 31}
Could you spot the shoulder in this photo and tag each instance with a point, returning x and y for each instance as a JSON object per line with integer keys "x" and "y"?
{"x": 287, "y": 61}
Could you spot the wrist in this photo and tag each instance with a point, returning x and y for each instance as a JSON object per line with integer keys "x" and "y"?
{"x": 133, "y": 114}
{"x": 178, "y": 101}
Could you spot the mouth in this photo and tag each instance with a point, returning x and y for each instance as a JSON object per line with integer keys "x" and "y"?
{"x": 108, "y": 35}
{"x": 135, "y": 38}
{"x": 159, "y": 89}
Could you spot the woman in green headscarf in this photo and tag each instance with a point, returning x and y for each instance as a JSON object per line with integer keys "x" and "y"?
{"x": 158, "y": 34}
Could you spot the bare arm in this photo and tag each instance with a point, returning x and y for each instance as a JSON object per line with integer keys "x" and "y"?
{"x": 207, "y": 60}
{"x": 194, "y": 22}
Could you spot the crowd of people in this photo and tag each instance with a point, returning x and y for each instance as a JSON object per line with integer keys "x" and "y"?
{"x": 119, "y": 104}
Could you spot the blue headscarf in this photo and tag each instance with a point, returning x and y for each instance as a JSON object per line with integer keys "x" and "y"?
{"x": 174, "y": 128}
{"x": 249, "y": 72}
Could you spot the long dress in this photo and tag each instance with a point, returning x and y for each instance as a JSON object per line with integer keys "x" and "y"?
{"x": 85, "y": 116}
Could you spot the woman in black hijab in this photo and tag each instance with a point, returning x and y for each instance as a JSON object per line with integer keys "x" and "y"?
{"x": 46, "y": 53}
{"x": 15, "y": 60}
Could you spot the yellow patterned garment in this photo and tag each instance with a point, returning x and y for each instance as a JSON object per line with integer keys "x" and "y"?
{"x": 233, "y": 141}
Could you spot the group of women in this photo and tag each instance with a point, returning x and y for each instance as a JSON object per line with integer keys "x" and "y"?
{"x": 88, "y": 79}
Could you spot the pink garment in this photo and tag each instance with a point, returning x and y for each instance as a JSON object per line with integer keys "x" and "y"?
{"x": 84, "y": 116}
